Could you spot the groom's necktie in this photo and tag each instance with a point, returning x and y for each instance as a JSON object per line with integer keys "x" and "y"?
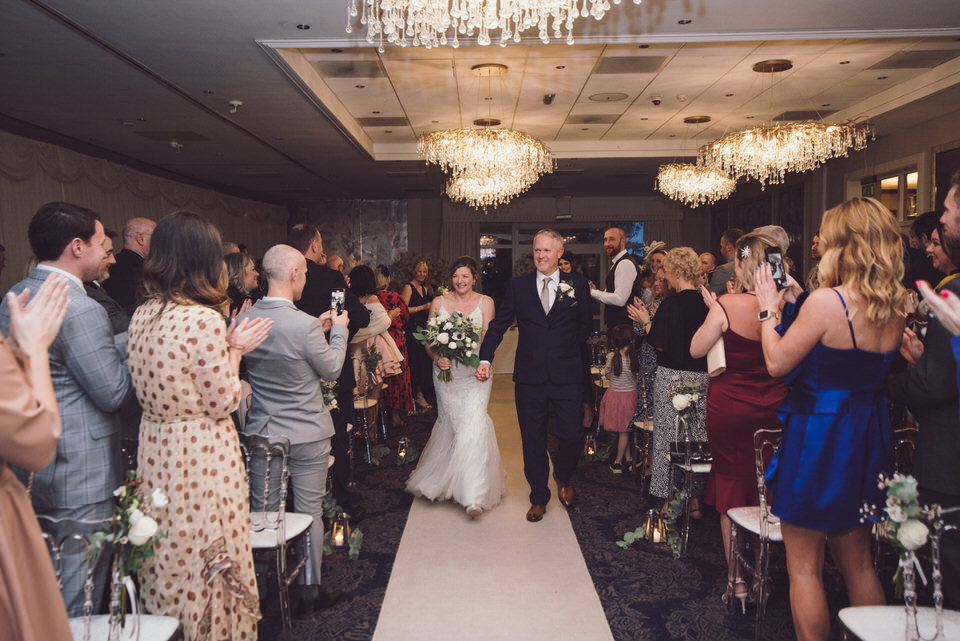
{"x": 545, "y": 296}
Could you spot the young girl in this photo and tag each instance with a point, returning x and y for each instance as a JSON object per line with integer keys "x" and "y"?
{"x": 620, "y": 401}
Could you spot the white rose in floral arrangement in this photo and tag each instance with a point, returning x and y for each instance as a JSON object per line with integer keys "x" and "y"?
{"x": 912, "y": 534}
{"x": 681, "y": 402}
{"x": 443, "y": 338}
{"x": 158, "y": 498}
{"x": 120, "y": 492}
{"x": 896, "y": 513}
{"x": 452, "y": 345}
{"x": 142, "y": 530}
{"x": 134, "y": 515}
{"x": 448, "y": 325}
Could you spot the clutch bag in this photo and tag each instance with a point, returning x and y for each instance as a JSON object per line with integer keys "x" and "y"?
{"x": 716, "y": 359}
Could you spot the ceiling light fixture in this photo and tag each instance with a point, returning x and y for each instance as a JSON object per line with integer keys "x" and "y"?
{"x": 426, "y": 22}
{"x": 767, "y": 152}
{"x": 694, "y": 185}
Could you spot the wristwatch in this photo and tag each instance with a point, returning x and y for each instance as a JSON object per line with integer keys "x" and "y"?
{"x": 764, "y": 315}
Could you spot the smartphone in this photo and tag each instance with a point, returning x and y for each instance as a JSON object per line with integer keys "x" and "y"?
{"x": 775, "y": 258}
{"x": 336, "y": 301}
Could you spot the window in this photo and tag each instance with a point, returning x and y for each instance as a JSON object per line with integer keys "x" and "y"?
{"x": 898, "y": 192}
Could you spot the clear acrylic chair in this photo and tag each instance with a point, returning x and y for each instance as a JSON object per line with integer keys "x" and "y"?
{"x": 275, "y": 532}
{"x": 64, "y": 536}
{"x": 758, "y": 521}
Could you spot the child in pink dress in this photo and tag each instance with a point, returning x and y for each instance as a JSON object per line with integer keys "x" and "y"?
{"x": 620, "y": 401}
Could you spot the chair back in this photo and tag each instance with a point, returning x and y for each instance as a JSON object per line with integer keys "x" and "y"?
{"x": 765, "y": 445}
{"x": 268, "y": 476}
{"x": 66, "y": 535}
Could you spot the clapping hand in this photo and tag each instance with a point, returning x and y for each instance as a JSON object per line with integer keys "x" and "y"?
{"x": 638, "y": 312}
{"x": 911, "y": 347}
{"x": 709, "y": 298}
{"x": 34, "y": 324}
{"x": 945, "y": 306}
{"x": 248, "y": 333}
{"x": 247, "y": 304}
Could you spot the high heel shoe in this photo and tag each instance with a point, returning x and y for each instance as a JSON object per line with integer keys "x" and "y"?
{"x": 733, "y": 589}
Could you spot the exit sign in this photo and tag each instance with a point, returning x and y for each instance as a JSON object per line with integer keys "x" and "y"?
{"x": 868, "y": 191}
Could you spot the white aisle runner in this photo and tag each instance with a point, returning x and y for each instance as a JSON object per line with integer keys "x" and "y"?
{"x": 498, "y": 577}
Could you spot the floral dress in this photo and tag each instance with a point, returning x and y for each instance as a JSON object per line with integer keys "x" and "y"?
{"x": 202, "y": 572}
{"x": 398, "y": 395}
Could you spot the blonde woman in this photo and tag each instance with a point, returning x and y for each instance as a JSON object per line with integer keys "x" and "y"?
{"x": 742, "y": 399}
{"x": 670, "y": 333}
{"x": 837, "y": 437}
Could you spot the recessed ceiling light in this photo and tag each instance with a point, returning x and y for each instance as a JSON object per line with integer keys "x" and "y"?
{"x": 376, "y": 112}
{"x": 360, "y": 86}
{"x": 336, "y": 51}
{"x": 643, "y": 46}
{"x": 696, "y": 120}
{"x": 561, "y": 67}
{"x": 750, "y": 117}
{"x": 435, "y": 121}
{"x": 826, "y": 104}
{"x": 772, "y": 66}
{"x": 684, "y": 21}
{"x": 729, "y": 95}
{"x": 303, "y": 27}
{"x": 644, "y": 119}
{"x": 673, "y": 135}
{"x": 584, "y": 128}
{"x": 489, "y": 98}
{"x": 611, "y": 96}
{"x": 844, "y": 62}
{"x": 882, "y": 77}
{"x": 209, "y": 92}
{"x": 388, "y": 131}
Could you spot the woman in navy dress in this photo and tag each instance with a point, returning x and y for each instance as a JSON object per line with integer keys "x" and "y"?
{"x": 837, "y": 437}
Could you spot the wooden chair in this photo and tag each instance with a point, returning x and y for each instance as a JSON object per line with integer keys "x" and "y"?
{"x": 758, "y": 521}
{"x": 66, "y": 534}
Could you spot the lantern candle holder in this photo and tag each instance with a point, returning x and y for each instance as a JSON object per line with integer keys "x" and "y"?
{"x": 402, "y": 450}
{"x": 654, "y": 529}
{"x": 340, "y": 531}
{"x": 591, "y": 446}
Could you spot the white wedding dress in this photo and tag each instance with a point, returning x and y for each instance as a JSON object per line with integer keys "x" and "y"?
{"x": 461, "y": 461}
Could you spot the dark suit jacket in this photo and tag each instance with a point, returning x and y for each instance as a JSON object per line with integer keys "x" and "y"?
{"x": 321, "y": 281}
{"x": 548, "y": 347}
{"x": 718, "y": 281}
{"x": 125, "y": 276}
{"x": 119, "y": 319}
{"x": 930, "y": 391}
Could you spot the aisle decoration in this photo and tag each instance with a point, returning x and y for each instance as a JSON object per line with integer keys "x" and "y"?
{"x": 673, "y": 516}
{"x": 132, "y": 538}
{"x": 329, "y": 394}
{"x": 453, "y": 337}
{"x": 340, "y": 533}
{"x": 406, "y": 452}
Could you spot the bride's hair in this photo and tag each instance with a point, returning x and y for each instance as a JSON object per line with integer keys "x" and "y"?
{"x": 464, "y": 261}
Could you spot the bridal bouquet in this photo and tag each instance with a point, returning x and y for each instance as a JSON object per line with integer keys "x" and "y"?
{"x": 454, "y": 337}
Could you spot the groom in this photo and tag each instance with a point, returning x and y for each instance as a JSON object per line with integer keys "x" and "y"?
{"x": 553, "y": 316}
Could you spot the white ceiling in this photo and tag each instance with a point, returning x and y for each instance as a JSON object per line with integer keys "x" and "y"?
{"x": 121, "y": 78}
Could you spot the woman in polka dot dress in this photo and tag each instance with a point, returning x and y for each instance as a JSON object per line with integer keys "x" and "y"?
{"x": 184, "y": 361}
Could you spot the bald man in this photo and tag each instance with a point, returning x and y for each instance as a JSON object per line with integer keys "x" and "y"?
{"x": 620, "y": 279}
{"x": 335, "y": 262}
{"x": 285, "y": 372}
{"x": 127, "y": 272}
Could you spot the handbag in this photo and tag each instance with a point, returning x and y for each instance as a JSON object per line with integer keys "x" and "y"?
{"x": 716, "y": 359}
{"x": 684, "y": 450}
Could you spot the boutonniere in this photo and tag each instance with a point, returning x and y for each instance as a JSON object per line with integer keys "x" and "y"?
{"x": 565, "y": 290}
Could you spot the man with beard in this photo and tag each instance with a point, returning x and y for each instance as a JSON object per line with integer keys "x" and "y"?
{"x": 929, "y": 389}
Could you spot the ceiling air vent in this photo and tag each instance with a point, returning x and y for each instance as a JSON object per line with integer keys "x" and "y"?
{"x": 916, "y": 59}
{"x": 631, "y": 64}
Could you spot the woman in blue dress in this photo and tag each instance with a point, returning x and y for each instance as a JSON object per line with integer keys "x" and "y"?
{"x": 837, "y": 437}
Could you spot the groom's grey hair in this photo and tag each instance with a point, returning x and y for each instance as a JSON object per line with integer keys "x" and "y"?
{"x": 550, "y": 233}
{"x": 279, "y": 260}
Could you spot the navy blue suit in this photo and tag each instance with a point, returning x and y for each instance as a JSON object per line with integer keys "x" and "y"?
{"x": 547, "y": 369}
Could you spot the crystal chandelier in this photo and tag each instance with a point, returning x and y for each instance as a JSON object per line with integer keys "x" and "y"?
{"x": 694, "y": 185}
{"x": 488, "y": 166}
{"x": 426, "y": 22}
{"x": 768, "y": 152}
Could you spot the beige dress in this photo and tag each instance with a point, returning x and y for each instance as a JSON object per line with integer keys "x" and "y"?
{"x": 202, "y": 572}
{"x": 31, "y": 606}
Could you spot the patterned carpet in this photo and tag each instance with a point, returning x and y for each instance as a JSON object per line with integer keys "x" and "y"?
{"x": 646, "y": 594}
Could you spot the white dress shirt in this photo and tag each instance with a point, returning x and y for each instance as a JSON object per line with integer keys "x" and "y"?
{"x": 74, "y": 279}
{"x": 623, "y": 277}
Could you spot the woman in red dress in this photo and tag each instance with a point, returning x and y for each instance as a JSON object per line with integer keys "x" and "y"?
{"x": 744, "y": 398}
{"x": 399, "y": 396}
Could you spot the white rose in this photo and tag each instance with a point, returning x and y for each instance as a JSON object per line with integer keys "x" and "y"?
{"x": 681, "y": 402}
{"x": 467, "y": 342}
{"x": 452, "y": 346}
{"x": 896, "y": 513}
{"x": 158, "y": 498}
{"x": 448, "y": 325}
{"x": 120, "y": 492}
{"x": 142, "y": 530}
{"x": 134, "y": 516}
{"x": 443, "y": 338}
{"x": 912, "y": 534}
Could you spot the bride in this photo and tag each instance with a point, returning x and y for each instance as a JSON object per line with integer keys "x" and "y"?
{"x": 461, "y": 460}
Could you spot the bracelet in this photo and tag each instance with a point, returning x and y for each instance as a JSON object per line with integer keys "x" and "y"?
{"x": 239, "y": 348}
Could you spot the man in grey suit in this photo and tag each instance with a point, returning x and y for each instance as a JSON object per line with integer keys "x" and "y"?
{"x": 728, "y": 247}
{"x": 90, "y": 378}
{"x": 285, "y": 372}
